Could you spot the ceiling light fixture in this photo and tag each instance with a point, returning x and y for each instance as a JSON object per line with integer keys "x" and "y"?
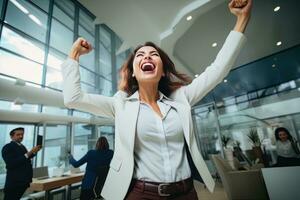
{"x": 225, "y": 80}
{"x": 189, "y": 18}
{"x": 276, "y": 8}
{"x": 278, "y": 43}
{"x": 214, "y": 44}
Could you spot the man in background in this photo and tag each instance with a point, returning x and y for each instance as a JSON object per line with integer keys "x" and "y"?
{"x": 18, "y": 165}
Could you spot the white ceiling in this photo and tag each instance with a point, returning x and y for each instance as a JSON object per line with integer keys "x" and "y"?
{"x": 189, "y": 42}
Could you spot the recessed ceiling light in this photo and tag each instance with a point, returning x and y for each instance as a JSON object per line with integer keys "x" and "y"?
{"x": 278, "y": 43}
{"x": 189, "y": 18}
{"x": 276, "y": 8}
{"x": 196, "y": 75}
{"x": 225, "y": 80}
{"x": 214, "y": 44}
{"x": 273, "y": 65}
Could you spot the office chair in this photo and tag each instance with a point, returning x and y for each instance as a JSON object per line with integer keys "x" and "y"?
{"x": 100, "y": 180}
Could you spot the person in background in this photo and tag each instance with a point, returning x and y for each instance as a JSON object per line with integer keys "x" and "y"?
{"x": 287, "y": 148}
{"x": 96, "y": 159}
{"x": 18, "y": 165}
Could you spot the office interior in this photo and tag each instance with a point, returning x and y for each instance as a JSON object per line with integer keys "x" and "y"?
{"x": 261, "y": 92}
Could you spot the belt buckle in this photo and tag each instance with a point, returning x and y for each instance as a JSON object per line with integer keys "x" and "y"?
{"x": 160, "y": 193}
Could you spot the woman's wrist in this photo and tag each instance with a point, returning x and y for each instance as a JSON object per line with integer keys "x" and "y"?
{"x": 241, "y": 23}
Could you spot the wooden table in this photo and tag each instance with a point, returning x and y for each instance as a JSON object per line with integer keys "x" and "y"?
{"x": 55, "y": 182}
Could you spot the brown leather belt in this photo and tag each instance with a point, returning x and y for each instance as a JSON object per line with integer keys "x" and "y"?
{"x": 164, "y": 189}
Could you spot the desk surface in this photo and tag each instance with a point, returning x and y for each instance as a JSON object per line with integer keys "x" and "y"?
{"x": 54, "y": 182}
{"x": 282, "y": 182}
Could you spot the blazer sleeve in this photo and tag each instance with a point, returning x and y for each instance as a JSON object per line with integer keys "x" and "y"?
{"x": 75, "y": 98}
{"x": 11, "y": 159}
{"x": 80, "y": 162}
{"x": 216, "y": 72}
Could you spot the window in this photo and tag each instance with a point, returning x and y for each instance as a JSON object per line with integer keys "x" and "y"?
{"x": 7, "y": 105}
{"x": 105, "y": 87}
{"x": 87, "y": 76}
{"x": 86, "y": 22}
{"x": 61, "y": 16}
{"x": 44, "y": 4}
{"x": 61, "y": 37}
{"x": 84, "y": 140}
{"x": 25, "y": 17}
{"x": 105, "y": 38}
{"x": 16, "y": 66}
{"x": 241, "y": 98}
{"x": 1, "y": 3}
{"x": 252, "y": 95}
{"x": 67, "y": 6}
{"x": 20, "y": 44}
{"x": 55, "y": 110}
{"x": 105, "y": 62}
{"x": 56, "y": 147}
{"x": 81, "y": 114}
{"x": 54, "y": 76}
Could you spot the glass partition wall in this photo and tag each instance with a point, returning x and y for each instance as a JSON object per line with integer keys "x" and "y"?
{"x": 234, "y": 110}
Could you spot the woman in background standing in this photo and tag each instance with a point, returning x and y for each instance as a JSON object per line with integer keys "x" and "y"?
{"x": 97, "y": 159}
{"x": 287, "y": 148}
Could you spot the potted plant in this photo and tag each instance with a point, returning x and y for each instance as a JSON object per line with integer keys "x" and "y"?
{"x": 256, "y": 144}
{"x": 225, "y": 140}
{"x": 254, "y": 138}
{"x": 227, "y": 151}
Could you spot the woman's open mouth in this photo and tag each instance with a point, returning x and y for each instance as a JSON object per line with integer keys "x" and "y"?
{"x": 148, "y": 67}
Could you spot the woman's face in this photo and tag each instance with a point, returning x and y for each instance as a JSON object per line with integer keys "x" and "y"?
{"x": 147, "y": 65}
{"x": 283, "y": 136}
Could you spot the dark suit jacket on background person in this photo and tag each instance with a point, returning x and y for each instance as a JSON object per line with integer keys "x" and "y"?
{"x": 19, "y": 167}
{"x": 94, "y": 159}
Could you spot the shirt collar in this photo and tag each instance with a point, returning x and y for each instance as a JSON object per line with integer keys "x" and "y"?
{"x": 135, "y": 96}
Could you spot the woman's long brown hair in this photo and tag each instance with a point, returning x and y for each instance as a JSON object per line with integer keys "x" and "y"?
{"x": 167, "y": 84}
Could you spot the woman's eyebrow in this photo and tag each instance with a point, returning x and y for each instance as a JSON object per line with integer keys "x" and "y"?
{"x": 154, "y": 51}
{"x": 139, "y": 52}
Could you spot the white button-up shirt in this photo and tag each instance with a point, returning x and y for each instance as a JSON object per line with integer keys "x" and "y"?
{"x": 160, "y": 154}
{"x": 285, "y": 149}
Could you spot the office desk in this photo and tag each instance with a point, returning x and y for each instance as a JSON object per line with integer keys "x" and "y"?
{"x": 282, "y": 182}
{"x": 55, "y": 182}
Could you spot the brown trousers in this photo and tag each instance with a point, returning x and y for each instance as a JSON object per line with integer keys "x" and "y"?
{"x": 137, "y": 194}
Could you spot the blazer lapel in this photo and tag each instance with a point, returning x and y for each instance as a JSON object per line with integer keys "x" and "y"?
{"x": 129, "y": 120}
{"x": 132, "y": 111}
{"x": 184, "y": 114}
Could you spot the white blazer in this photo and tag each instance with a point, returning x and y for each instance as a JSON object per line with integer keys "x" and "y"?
{"x": 124, "y": 110}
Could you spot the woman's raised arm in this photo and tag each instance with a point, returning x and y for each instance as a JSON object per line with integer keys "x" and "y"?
{"x": 74, "y": 97}
{"x": 226, "y": 57}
